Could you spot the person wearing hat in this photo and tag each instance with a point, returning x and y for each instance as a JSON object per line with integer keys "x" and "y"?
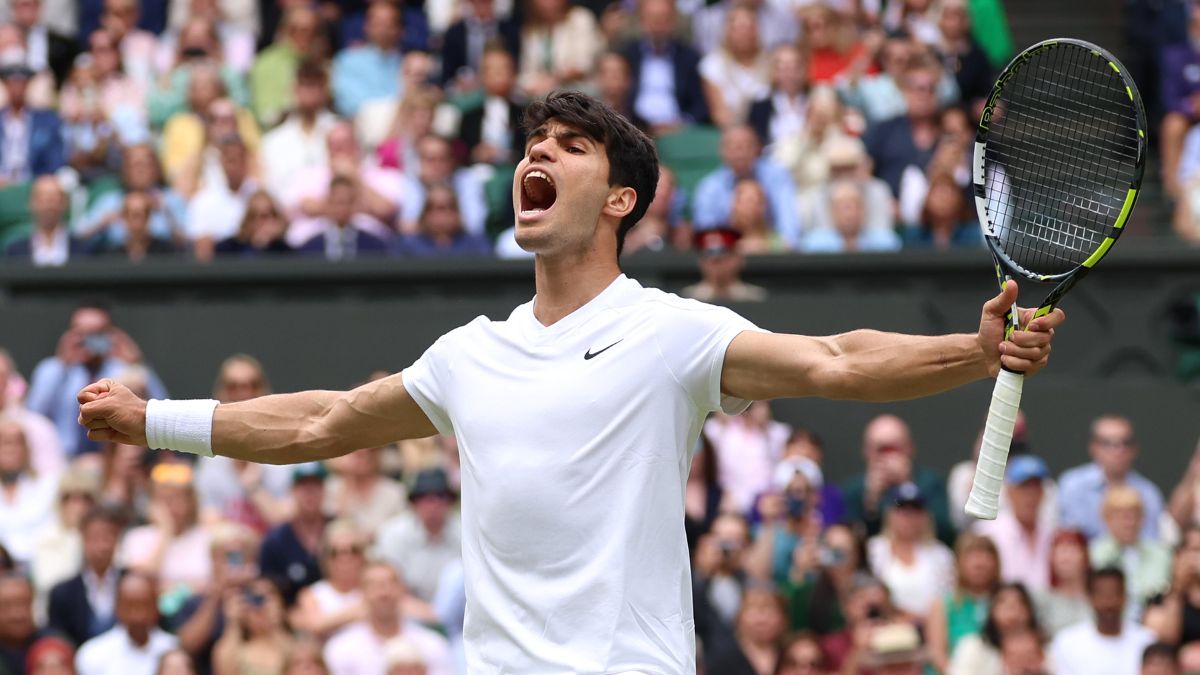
{"x": 893, "y": 648}
{"x": 290, "y": 549}
{"x": 916, "y": 567}
{"x": 1023, "y": 539}
{"x": 721, "y": 269}
{"x": 421, "y": 541}
{"x": 31, "y": 140}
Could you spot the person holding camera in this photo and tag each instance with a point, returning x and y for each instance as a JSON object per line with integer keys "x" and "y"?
{"x": 256, "y": 639}
{"x": 92, "y": 347}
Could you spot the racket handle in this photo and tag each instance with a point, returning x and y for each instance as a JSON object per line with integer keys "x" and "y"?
{"x": 984, "y": 501}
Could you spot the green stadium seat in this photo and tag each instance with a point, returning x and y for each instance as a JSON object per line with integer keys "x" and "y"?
{"x": 102, "y": 186}
{"x": 14, "y": 209}
{"x": 691, "y": 154}
{"x": 497, "y": 193}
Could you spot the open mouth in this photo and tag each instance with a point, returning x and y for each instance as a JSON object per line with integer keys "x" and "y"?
{"x": 537, "y": 193}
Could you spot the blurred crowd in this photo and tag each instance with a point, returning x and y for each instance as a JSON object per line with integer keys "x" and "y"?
{"x": 116, "y": 559}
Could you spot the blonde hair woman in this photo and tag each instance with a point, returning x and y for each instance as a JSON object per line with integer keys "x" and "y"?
{"x": 738, "y": 73}
{"x": 335, "y": 600}
{"x": 917, "y": 568}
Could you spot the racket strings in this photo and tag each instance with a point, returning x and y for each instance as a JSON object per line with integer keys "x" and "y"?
{"x": 1060, "y": 156}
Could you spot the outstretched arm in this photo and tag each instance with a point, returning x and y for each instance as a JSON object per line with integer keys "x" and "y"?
{"x": 870, "y": 365}
{"x": 277, "y": 429}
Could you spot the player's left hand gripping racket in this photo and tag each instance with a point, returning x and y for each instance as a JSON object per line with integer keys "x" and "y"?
{"x": 1058, "y": 161}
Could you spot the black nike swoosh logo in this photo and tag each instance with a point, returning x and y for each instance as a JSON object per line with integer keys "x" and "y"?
{"x": 588, "y": 355}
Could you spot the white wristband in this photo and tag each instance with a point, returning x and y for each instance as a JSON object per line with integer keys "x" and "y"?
{"x": 183, "y": 426}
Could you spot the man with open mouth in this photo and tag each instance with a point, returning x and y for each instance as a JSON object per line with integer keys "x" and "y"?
{"x": 576, "y": 417}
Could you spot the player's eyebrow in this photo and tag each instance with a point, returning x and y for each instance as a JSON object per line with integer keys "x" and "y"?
{"x": 563, "y": 135}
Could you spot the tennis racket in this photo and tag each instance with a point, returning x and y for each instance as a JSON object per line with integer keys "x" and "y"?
{"x": 1059, "y": 155}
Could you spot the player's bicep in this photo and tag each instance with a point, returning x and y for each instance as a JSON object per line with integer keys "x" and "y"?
{"x": 761, "y": 366}
{"x": 378, "y": 413}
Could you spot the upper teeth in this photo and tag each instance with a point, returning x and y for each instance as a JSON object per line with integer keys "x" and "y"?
{"x": 538, "y": 174}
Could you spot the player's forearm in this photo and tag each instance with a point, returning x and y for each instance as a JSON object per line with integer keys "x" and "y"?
{"x": 276, "y": 429}
{"x": 870, "y": 365}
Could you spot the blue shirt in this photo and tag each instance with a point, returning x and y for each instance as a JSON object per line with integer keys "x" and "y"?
{"x": 870, "y": 240}
{"x": 713, "y": 202}
{"x": 362, "y": 74}
{"x": 1081, "y": 496}
{"x": 164, "y": 222}
{"x": 465, "y": 244}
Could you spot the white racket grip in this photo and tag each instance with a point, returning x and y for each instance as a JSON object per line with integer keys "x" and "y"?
{"x": 984, "y": 501}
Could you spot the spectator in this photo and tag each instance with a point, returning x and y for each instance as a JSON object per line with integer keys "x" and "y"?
{"x": 263, "y": 230}
{"x": 832, "y": 45}
{"x": 947, "y": 220}
{"x": 1024, "y": 541}
{"x": 138, "y": 47}
{"x": 199, "y": 47}
{"x": 801, "y": 655}
{"x": 193, "y": 146}
{"x": 109, "y": 93}
{"x": 125, "y": 477}
{"x": 50, "y": 655}
{"x": 614, "y": 86}
{"x": 32, "y": 137}
{"x": 1113, "y": 449}
{"x": 360, "y": 492}
{"x": 782, "y": 113}
{"x": 240, "y": 15}
{"x": 889, "y": 451}
{"x": 216, "y": 212}
{"x": 420, "y": 542}
{"x": 411, "y": 119}
{"x": 90, "y": 141}
{"x": 892, "y": 649}
{"x": 41, "y": 89}
{"x": 865, "y": 604}
{"x": 255, "y": 639}
{"x": 916, "y": 17}
{"x": 173, "y": 548}
{"x": 360, "y": 647}
{"x": 850, "y": 232}
{"x": 808, "y": 155}
{"x": 176, "y": 662}
{"x": 663, "y": 225}
{"x": 26, "y": 497}
{"x": 1181, "y": 98}
{"x": 907, "y": 557}
{"x": 909, "y": 139}
{"x": 135, "y": 644}
{"x": 102, "y": 226}
{"x": 821, "y": 580}
{"x": 720, "y": 575}
{"x": 1065, "y": 602}
{"x": 738, "y": 73}
{"x": 1110, "y": 644}
{"x": 47, "y": 452}
{"x": 667, "y": 91}
{"x": 492, "y": 132}
{"x": 275, "y": 74}
{"x": 305, "y": 658}
{"x": 1160, "y": 658}
{"x": 58, "y": 549}
{"x": 962, "y": 56}
{"x": 436, "y": 166}
{"x": 235, "y": 37}
{"x": 368, "y": 71}
{"x": 329, "y": 605}
{"x": 90, "y": 349}
{"x": 1174, "y": 616}
{"x": 47, "y": 49}
{"x": 465, "y": 43}
{"x": 748, "y": 448}
{"x": 1145, "y": 562}
{"x": 18, "y": 630}
{"x": 559, "y": 46}
{"x": 776, "y": 23}
{"x": 1009, "y": 610}
{"x": 961, "y": 612}
{"x": 807, "y": 444}
{"x": 289, "y": 551}
{"x": 1022, "y": 652}
{"x": 741, "y": 158}
{"x": 789, "y": 539}
{"x": 749, "y": 217}
{"x": 844, "y": 158}
{"x": 345, "y": 229}
{"x": 721, "y": 269}
{"x": 879, "y": 95}
{"x": 441, "y": 230}
{"x": 83, "y": 606}
{"x": 49, "y": 243}
{"x": 299, "y": 142}
{"x": 757, "y": 641}
{"x": 140, "y": 241}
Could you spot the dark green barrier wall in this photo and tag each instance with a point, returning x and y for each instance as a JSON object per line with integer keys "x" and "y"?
{"x": 317, "y": 325}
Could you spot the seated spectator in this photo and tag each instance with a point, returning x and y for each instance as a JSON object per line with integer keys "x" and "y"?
{"x": 91, "y": 143}
{"x": 40, "y": 92}
{"x": 411, "y": 120}
{"x": 1181, "y": 99}
{"x": 329, "y": 605}
{"x": 961, "y": 612}
{"x": 240, "y": 15}
{"x": 1160, "y": 658}
{"x": 368, "y": 71}
{"x": 719, "y": 576}
{"x": 173, "y": 548}
{"x": 1022, "y": 652}
{"x": 1146, "y": 562}
{"x": 878, "y": 95}
{"x": 614, "y": 86}
{"x": 1009, "y": 611}
{"x": 1024, "y": 541}
{"x": 893, "y": 648}
{"x": 403, "y": 657}
{"x": 821, "y": 579}
{"x": 275, "y": 72}
{"x": 236, "y": 43}
{"x": 749, "y": 217}
{"x": 808, "y": 156}
{"x": 757, "y": 640}
{"x": 199, "y": 48}
{"x": 1107, "y": 644}
{"x": 136, "y": 643}
{"x": 962, "y": 56}
{"x": 26, "y": 497}
{"x": 833, "y": 45}
{"x": 83, "y": 606}
{"x": 947, "y": 220}
{"x": 262, "y": 231}
{"x": 741, "y": 158}
{"x": 441, "y": 230}
{"x": 102, "y": 226}
{"x": 917, "y": 568}
{"x": 345, "y": 231}
{"x": 559, "y": 46}
{"x": 667, "y": 91}
{"x": 436, "y": 166}
{"x": 911, "y": 138}
{"x": 305, "y": 658}
{"x": 748, "y": 449}
{"x": 915, "y": 17}
{"x": 1175, "y": 616}
{"x": 663, "y": 225}
{"x": 789, "y": 538}
{"x": 807, "y": 444}
{"x": 48, "y": 50}
{"x": 217, "y": 210}
{"x": 850, "y": 232}
{"x": 50, "y": 655}
{"x": 1113, "y": 449}
{"x": 299, "y": 142}
{"x": 1065, "y": 602}
{"x": 844, "y": 158}
{"x": 138, "y": 47}
{"x": 192, "y": 153}
{"x": 289, "y": 550}
{"x": 801, "y": 655}
{"x": 47, "y": 453}
{"x": 360, "y": 647}
{"x": 140, "y": 242}
{"x": 776, "y": 23}
{"x": 58, "y": 550}
{"x": 865, "y": 604}
{"x": 738, "y": 73}
{"x": 18, "y": 629}
{"x": 721, "y": 269}
{"x": 464, "y": 43}
{"x": 782, "y": 112}
{"x": 492, "y": 133}
{"x": 421, "y": 541}
{"x": 92, "y": 348}
{"x": 49, "y": 243}
{"x": 360, "y": 492}
{"x": 255, "y": 639}
{"x": 177, "y": 662}
{"x": 33, "y": 144}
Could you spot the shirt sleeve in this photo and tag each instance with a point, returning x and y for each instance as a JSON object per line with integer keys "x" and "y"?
{"x": 692, "y": 340}
{"x": 428, "y": 382}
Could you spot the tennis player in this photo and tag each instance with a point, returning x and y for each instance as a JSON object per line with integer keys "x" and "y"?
{"x": 576, "y": 416}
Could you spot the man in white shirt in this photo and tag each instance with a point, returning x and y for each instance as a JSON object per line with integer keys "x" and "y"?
{"x": 360, "y": 648}
{"x": 422, "y": 541}
{"x": 1111, "y": 645}
{"x": 216, "y": 212}
{"x": 136, "y": 643}
{"x": 298, "y": 143}
{"x": 576, "y": 417}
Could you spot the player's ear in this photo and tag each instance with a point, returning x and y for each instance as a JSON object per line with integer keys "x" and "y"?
{"x": 620, "y": 202}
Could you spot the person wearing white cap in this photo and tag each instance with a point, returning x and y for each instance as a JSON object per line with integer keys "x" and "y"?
{"x": 790, "y": 515}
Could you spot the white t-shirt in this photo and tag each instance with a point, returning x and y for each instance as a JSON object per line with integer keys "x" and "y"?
{"x": 1082, "y": 650}
{"x": 915, "y": 587}
{"x": 358, "y": 650}
{"x": 113, "y": 653}
{"x": 575, "y": 443}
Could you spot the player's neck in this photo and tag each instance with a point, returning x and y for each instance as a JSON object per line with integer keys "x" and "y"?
{"x": 566, "y": 283}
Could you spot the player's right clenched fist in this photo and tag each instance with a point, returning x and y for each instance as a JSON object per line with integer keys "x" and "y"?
{"x": 111, "y": 412}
